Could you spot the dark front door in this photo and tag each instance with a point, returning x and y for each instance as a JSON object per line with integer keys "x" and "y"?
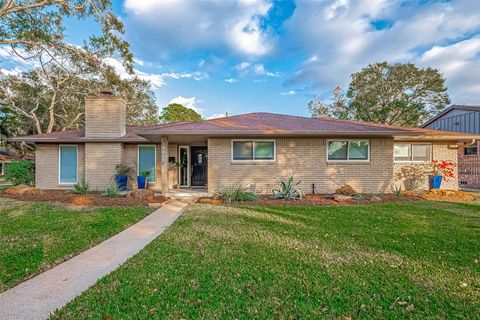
{"x": 199, "y": 166}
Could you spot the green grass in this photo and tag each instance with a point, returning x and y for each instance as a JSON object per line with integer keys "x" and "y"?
{"x": 399, "y": 260}
{"x": 33, "y": 237}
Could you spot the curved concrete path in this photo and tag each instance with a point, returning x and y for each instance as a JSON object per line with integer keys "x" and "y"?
{"x": 38, "y": 297}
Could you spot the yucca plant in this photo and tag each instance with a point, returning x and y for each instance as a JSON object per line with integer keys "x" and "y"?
{"x": 81, "y": 188}
{"x": 111, "y": 192}
{"x": 288, "y": 190}
{"x": 235, "y": 193}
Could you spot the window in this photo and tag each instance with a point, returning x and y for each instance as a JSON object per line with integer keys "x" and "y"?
{"x": 146, "y": 160}
{"x": 250, "y": 150}
{"x": 412, "y": 152}
{"x": 471, "y": 150}
{"x": 67, "y": 164}
{"x": 348, "y": 150}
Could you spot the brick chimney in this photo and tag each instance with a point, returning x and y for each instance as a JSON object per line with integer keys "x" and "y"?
{"x": 105, "y": 116}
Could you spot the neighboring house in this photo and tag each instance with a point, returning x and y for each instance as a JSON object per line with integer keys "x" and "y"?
{"x": 253, "y": 150}
{"x": 465, "y": 119}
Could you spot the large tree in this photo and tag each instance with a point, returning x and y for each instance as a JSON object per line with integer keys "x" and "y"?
{"x": 175, "y": 112}
{"x": 397, "y": 94}
{"x": 35, "y": 27}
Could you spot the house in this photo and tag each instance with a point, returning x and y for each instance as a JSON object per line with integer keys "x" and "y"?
{"x": 465, "y": 119}
{"x": 253, "y": 150}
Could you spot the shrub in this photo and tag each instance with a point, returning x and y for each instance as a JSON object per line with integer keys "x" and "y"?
{"x": 81, "y": 188}
{"x": 288, "y": 190}
{"x": 234, "y": 193}
{"x": 145, "y": 173}
{"x": 122, "y": 170}
{"x": 111, "y": 192}
{"x": 20, "y": 172}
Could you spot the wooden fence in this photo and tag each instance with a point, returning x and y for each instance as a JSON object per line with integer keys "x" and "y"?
{"x": 469, "y": 173}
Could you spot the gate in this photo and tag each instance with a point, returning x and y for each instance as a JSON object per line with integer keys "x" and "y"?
{"x": 469, "y": 173}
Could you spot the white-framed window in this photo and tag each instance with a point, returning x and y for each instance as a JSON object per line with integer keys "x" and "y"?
{"x": 412, "y": 152}
{"x": 147, "y": 158}
{"x": 67, "y": 164}
{"x": 348, "y": 150}
{"x": 253, "y": 150}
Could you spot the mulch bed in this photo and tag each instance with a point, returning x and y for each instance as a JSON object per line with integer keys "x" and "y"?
{"x": 317, "y": 200}
{"x": 92, "y": 199}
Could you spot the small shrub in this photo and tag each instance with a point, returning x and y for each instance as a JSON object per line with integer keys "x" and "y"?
{"x": 122, "y": 170}
{"x": 145, "y": 173}
{"x": 81, "y": 188}
{"x": 234, "y": 193}
{"x": 288, "y": 190}
{"x": 111, "y": 192}
{"x": 20, "y": 172}
{"x": 397, "y": 190}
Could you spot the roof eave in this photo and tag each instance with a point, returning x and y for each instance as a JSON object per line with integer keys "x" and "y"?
{"x": 212, "y": 133}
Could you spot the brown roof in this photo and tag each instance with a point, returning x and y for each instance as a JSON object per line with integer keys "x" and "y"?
{"x": 253, "y": 124}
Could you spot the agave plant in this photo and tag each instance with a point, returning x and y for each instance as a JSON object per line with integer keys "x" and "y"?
{"x": 288, "y": 190}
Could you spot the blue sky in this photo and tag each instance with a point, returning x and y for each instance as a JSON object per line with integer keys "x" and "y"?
{"x": 242, "y": 56}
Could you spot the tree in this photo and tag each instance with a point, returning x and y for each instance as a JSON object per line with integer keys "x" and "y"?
{"x": 337, "y": 108}
{"x": 175, "y": 112}
{"x": 36, "y": 27}
{"x": 396, "y": 94}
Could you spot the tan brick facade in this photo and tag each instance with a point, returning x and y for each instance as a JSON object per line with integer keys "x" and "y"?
{"x": 105, "y": 117}
{"x": 305, "y": 159}
{"x": 46, "y": 166}
{"x": 100, "y": 162}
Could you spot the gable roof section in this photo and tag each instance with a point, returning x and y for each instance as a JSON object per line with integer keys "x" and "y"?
{"x": 447, "y": 110}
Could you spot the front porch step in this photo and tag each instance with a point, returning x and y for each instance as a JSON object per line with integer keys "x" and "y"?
{"x": 182, "y": 193}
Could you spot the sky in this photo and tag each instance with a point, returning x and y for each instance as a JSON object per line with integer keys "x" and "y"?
{"x": 240, "y": 56}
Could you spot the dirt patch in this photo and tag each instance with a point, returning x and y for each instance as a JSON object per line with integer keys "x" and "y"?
{"x": 346, "y": 190}
{"x": 317, "y": 200}
{"x": 21, "y": 189}
{"x": 92, "y": 199}
{"x": 448, "y": 195}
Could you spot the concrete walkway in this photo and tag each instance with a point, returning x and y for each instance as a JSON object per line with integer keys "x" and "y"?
{"x": 38, "y": 297}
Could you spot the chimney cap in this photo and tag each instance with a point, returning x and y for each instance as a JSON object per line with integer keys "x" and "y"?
{"x": 106, "y": 91}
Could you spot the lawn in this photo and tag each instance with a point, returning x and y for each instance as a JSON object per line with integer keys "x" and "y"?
{"x": 33, "y": 237}
{"x": 393, "y": 260}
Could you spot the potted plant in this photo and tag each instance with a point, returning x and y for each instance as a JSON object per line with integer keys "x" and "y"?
{"x": 122, "y": 172}
{"x": 142, "y": 179}
{"x": 442, "y": 170}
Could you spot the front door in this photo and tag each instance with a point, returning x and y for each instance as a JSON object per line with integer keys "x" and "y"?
{"x": 199, "y": 163}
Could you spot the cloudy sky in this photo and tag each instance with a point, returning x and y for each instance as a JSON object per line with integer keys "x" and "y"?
{"x": 241, "y": 56}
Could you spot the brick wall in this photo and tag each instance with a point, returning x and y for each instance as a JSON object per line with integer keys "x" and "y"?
{"x": 404, "y": 176}
{"x": 105, "y": 117}
{"x": 100, "y": 162}
{"x": 46, "y": 166}
{"x": 303, "y": 159}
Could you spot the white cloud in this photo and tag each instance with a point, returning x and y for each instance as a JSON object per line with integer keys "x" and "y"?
{"x": 231, "y": 80}
{"x": 242, "y": 66}
{"x": 186, "y": 102}
{"x": 288, "y": 93}
{"x": 339, "y": 38}
{"x": 259, "y": 69}
{"x": 235, "y": 25}
{"x": 156, "y": 79}
{"x": 216, "y": 115}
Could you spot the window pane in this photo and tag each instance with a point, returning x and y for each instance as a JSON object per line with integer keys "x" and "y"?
{"x": 264, "y": 150}
{"x": 402, "y": 152}
{"x": 421, "y": 152}
{"x": 146, "y": 161}
{"x": 242, "y": 150}
{"x": 471, "y": 151}
{"x": 337, "y": 150}
{"x": 358, "y": 150}
{"x": 68, "y": 164}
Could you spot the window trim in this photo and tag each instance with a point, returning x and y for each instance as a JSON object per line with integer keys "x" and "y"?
{"x": 413, "y": 161}
{"x": 348, "y": 160}
{"x": 253, "y": 154}
{"x": 60, "y": 164}
{"x": 154, "y": 161}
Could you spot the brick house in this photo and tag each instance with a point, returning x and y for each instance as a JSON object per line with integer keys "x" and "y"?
{"x": 253, "y": 150}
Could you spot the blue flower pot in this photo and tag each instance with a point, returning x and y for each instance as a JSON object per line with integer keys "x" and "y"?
{"x": 121, "y": 183}
{"x": 435, "y": 182}
{"x": 142, "y": 182}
